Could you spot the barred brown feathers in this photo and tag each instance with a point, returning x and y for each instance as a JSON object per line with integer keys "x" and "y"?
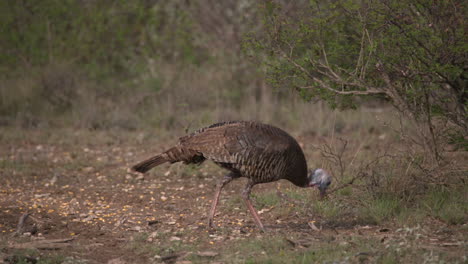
{"x": 150, "y": 163}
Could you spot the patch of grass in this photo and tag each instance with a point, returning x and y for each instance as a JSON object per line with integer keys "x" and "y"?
{"x": 382, "y": 208}
{"x": 253, "y": 250}
{"x": 347, "y": 191}
{"x": 266, "y": 199}
{"x": 138, "y": 244}
{"x": 447, "y": 205}
{"x": 439, "y": 202}
{"x": 388, "y": 258}
{"x": 26, "y": 256}
{"x": 234, "y": 201}
{"x": 276, "y": 249}
{"x": 410, "y": 216}
{"x": 189, "y": 170}
{"x": 13, "y": 165}
{"x": 141, "y": 246}
{"x": 354, "y": 250}
{"x": 328, "y": 209}
{"x": 25, "y": 170}
{"x": 297, "y": 194}
{"x": 317, "y": 255}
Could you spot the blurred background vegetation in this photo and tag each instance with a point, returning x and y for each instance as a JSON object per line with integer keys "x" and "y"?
{"x": 131, "y": 64}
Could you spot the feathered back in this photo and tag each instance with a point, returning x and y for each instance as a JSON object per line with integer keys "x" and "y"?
{"x": 254, "y": 150}
{"x": 261, "y": 152}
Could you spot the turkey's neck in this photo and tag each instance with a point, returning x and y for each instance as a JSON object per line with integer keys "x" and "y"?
{"x": 299, "y": 180}
{"x": 297, "y": 168}
{"x": 298, "y": 176}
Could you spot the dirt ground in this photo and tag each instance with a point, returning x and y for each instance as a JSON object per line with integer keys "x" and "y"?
{"x": 78, "y": 189}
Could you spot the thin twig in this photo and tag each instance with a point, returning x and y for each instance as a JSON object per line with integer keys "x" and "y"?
{"x": 21, "y": 223}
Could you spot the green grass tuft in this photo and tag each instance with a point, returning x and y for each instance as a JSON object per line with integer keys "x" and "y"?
{"x": 266, "y": 199}
{"x": 327, "y": 208}
{"x": 447, "y": 205}
{"x": 383, "y": 208}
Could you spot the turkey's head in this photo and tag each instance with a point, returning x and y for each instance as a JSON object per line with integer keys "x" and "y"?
{"x": 320, "y": 179}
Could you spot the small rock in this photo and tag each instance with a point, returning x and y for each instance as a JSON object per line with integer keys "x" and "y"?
{"x": 207, "y": 254}
{"x": 101, "y": 178}
{"x": 53, "y": 180}
{"x": 174, "y": 238}
{"x": 116, "y": 261}
{"x": 344, "y": 243}
{"x": 136, "y": 228}
{"x": 41, "y": 195}
{"x": 313, "y": 226}
{"x": 89, "y": 218}
{"x": 152, "y": 236}
{"x": 140, "y": 177}
{"x": 153, "y": 222}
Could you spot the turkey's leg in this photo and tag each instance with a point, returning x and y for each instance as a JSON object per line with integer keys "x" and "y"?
{"x": 246, "y": 196}
{"x": 229, "y": 177}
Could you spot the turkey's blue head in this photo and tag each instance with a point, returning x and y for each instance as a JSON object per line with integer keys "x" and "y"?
{"x": 320, "y": 179}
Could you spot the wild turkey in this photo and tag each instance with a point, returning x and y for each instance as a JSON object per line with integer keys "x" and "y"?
{"x": 262, "y": 153}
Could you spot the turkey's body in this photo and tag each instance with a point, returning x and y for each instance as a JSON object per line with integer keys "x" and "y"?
{"x": 259, "y": 152}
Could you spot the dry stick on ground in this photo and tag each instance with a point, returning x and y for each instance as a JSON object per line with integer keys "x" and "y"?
{"x": 44, "y": 244}
{"x": 21, "y": 223}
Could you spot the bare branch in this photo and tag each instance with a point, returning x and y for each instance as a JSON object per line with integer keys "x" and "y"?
{"x": 324, "y": 85}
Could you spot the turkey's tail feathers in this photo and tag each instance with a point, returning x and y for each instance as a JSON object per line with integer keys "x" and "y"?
{"x": 172, "y": 155}
{"x": 150, "y": 163}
